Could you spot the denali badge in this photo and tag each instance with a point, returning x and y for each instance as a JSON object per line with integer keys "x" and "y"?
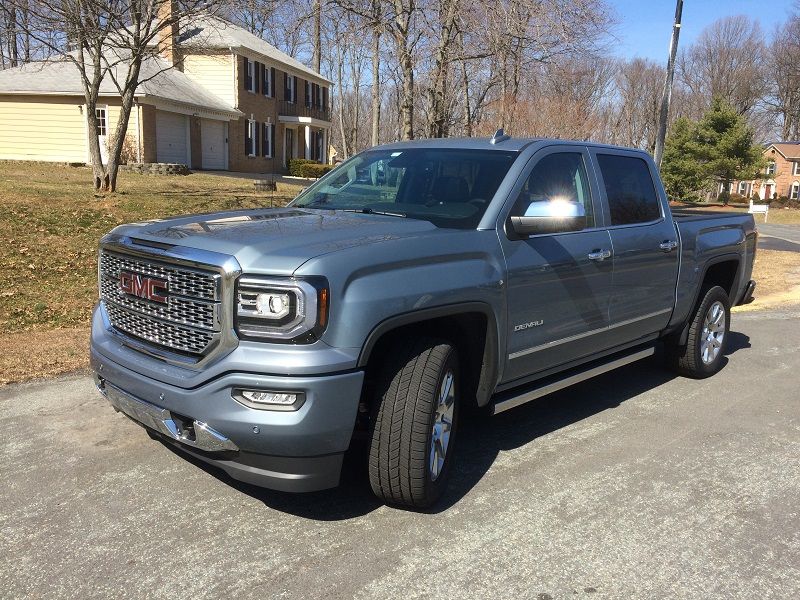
{"x": 528, "y": 325}
{"x": 144, "y": 287}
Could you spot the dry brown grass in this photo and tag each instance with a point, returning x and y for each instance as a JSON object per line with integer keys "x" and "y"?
{"x": 777, "y": 276}
{"x": 33, "y": 354}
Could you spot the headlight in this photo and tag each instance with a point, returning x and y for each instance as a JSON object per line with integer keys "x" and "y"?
{"x": 288, "y": 310}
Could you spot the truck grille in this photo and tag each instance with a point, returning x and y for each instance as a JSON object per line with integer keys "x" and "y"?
{"x": 188, "y": 323}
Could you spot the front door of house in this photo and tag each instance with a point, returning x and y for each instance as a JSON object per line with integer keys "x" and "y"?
{"x": 288, "y": 147}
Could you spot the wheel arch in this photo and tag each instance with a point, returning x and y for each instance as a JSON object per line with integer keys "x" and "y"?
{"x": 724, "y": 271}
{"x": 472, "y": 326}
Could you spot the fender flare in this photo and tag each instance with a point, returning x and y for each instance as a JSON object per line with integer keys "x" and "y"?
{"x": 490, "y": 364}
{"x": 683, "y": 329}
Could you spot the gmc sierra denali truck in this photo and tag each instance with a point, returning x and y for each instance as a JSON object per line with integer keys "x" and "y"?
{"x": 414, "y": 281}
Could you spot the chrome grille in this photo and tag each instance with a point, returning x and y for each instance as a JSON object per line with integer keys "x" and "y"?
{"x": 183, "y": 282}
{"x": 188, "y": 323}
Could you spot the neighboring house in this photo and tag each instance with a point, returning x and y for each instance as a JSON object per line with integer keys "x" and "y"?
{"x": 781, "y": 176}
{"x": 231, "y": 102}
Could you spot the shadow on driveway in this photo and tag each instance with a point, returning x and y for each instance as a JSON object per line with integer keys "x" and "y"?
{"x": 480, "y": 440}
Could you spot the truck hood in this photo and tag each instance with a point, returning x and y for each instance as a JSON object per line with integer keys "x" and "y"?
{"x": 277, "y": 241}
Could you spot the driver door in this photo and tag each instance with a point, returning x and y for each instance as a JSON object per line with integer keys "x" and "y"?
{"x": 559, "y": 285}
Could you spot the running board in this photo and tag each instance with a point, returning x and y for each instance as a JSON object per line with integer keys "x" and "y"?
{"x": 553, "y": 386}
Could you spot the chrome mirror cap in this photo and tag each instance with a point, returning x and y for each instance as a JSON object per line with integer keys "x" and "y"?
{"x": 550, "y": 216}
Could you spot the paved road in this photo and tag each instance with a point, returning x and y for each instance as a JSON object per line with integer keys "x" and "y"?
{"x": 779, "y": 237}
{"x": 635, "y": 485}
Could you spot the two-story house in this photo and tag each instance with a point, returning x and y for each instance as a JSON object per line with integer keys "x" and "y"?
{"x": 219, "y": 98}
{"x": 781, "y": 176}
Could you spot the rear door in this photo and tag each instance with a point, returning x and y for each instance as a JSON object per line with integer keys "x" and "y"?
{"x": 644, "y": 245}
{"x": 557, "y": 294}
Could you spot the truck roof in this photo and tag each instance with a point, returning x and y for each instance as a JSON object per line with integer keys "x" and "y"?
{"x": 511, "y": 144}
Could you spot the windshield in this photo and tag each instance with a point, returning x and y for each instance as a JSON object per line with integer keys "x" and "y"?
{"x": 448, "y": 187}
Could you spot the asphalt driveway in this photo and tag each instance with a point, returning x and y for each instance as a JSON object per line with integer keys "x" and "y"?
{"x": 779, "y": 237}
{"x": 634, "y": 485}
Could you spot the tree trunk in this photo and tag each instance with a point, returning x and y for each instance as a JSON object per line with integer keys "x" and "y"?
{"x": 437, "y": 125}
{"x": 407, "y": 98}
{"x": 376, "y": 84}
{"x": 317, "y": 58}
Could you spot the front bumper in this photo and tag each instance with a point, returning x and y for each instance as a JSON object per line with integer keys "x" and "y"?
{"x": 296, "y": 451}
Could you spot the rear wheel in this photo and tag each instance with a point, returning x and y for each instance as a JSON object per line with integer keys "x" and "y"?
{"x": 414, "y": 423}
{"x": 703, "y": 352}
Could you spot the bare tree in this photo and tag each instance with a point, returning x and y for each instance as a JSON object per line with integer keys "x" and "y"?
{"x": 638, "y": 85}
{"x": 725, "y": 62}
{"x": 784, "y": 76}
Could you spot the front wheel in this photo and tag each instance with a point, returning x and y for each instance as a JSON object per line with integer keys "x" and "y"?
{"x": 414, "y": 423}
{"x": 703, "y": 352}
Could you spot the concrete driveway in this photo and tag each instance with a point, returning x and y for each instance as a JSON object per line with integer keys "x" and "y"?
{"x": 634, "y": 485}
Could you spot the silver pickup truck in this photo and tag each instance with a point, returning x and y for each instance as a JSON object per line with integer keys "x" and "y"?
{"x": 414, "y": 281}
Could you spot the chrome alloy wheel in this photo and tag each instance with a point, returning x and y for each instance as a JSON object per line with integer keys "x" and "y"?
{"x": 713, "y": 333}
{"x": 442, "y": 425}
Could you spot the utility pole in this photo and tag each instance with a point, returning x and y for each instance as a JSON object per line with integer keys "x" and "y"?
{"x": 666, "y": 96}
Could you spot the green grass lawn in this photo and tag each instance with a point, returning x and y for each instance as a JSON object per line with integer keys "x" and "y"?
{"x": 52, "y": 222}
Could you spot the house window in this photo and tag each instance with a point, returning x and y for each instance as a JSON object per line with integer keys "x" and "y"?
{"x": 771, "y": 167}
{"x": 267, "y": 75}
{"x": 309, "y": 94}
{"x": 249, "y": 75}
{"x": 268, "y": 140}
{"x": 742, "y": 188}
{"x": 291, "y": 88}
{"x": 793, "y": 193}
{"x": 102, "y": 128}
{"x": 251, "y": 139}
{"x": 796, "y": 170}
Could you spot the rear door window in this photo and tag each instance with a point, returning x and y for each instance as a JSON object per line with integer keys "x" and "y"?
{"x": 630, "y": 190}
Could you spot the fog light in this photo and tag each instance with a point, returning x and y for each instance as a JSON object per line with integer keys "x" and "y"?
{"x": 269, "y": 400}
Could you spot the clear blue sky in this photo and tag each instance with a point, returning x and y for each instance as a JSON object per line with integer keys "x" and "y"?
{"x": 645, "y": 26}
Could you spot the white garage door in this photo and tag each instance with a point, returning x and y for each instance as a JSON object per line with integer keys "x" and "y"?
{"x": 171, "y": 138}
{"x": 212, "y": 134}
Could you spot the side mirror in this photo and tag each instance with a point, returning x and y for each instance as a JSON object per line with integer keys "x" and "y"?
{"x": 550, "y": 216}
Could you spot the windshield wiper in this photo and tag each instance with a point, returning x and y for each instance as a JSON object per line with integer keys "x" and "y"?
{"x": 366, "y": 210}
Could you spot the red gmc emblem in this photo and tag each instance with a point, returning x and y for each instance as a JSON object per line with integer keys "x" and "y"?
{"x": 144, "y": 287}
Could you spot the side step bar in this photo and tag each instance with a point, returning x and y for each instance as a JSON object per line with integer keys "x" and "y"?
{"x": 528, "y": 393}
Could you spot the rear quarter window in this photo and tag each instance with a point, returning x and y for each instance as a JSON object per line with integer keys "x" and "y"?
{"x": 629, "y": 188}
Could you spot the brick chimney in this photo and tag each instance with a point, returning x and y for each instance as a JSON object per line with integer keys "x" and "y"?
{"x": 168, "y": 23}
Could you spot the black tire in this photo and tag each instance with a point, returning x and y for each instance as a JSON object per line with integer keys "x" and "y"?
{"x": 687, "y": 360}
{"x": 402, "y": 422}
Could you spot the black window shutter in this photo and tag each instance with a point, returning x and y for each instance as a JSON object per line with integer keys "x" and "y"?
{"x": 247, "y": 141}
{"x": 324, "y": 98}
{"x": 294, "y": 88}
{"x": 272, "y": 81}
{"x": 246, "y": 77}
{"x": 285, "y": 86}
{"x": 255, "y": 144}
{"x": 264, "y": 141}
{"x": 264, "y": 80}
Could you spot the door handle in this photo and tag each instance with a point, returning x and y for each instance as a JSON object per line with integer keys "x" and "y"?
{"x": 668, "y": 245}
{"x": 599, "y": 255}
